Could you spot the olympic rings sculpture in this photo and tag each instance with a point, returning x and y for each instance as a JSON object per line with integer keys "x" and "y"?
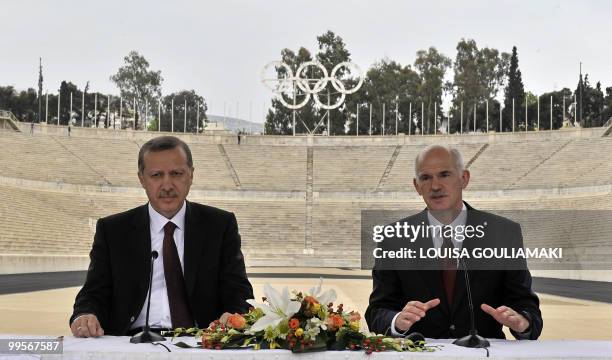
{"x": 290, "y": 82}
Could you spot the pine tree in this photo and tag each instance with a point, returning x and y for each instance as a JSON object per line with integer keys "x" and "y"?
{"x": 40, "y": 88}
{"x": 514, "y": 90}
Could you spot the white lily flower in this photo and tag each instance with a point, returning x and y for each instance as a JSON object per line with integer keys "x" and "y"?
{"x": 280, "y": 307}
{"x": 324, "y": 298}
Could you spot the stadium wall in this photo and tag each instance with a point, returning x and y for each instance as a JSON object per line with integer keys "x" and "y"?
{"x": 316, "y": 140}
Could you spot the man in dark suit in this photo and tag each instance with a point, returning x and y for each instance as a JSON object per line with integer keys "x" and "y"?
{"x": 429, "y": 295}
{"x": 199, "y": 275}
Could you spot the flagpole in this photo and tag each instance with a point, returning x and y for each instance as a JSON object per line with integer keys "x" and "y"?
{"x": 96, "y": 109}
{"x": 108, "y": 111}
{"x": 59, "y": 94}
{"x": 409, "y": 118}
{"x": 82, "y": 108}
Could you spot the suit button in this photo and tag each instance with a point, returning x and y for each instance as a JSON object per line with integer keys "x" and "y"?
{"x": 132, "y": 319}
{"x": 452, "y": 327}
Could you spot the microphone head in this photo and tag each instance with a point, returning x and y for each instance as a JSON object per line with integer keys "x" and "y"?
{"x": 154, "y": 254}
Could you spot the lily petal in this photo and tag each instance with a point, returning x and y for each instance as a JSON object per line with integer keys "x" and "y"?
{"x": 327, "y": 297}
{"x": 264, "y": 322}
{"x": 275, "y": 299}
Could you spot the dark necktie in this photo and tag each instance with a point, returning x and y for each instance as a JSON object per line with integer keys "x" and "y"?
{"x": 449, "y": 270}
{"x": 175, "y": 284}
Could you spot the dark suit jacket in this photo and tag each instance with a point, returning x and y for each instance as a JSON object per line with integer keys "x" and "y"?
{"x": 118, "y": 277}
{"x": 393, "y": 288}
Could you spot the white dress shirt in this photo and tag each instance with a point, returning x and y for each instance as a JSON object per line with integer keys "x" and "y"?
{"x": 159, "y": 316}
{"x": 438, "y": 240}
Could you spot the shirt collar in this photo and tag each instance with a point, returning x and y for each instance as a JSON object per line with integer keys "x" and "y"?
{"x": 460, "y": 220}
{"x": 158, "y": 221}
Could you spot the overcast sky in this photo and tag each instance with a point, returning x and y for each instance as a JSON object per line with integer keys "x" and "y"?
{"x": 218, "y": 48}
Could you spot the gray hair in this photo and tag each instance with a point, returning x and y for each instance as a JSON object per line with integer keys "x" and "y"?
{"x": 455, "y": 154}
{"x": 162, "y": 143}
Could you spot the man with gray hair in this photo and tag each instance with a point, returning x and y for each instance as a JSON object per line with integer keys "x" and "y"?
{"x": 430, "y": 297}
{"x": 200, "y": 273}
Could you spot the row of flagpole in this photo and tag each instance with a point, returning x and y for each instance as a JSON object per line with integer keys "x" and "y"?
{"x": 422, "y": 132}
{"x": 369, "y": 105}
{"x": 121, "y": 101}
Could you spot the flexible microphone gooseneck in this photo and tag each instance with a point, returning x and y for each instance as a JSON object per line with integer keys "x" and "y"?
{"x": 146, "y": 335}
{"x": 473, "y": 340}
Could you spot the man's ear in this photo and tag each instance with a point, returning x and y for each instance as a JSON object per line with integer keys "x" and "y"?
{"x": 465, "y": 177}
{"x": 416, "y": 186}
{"x": 191, "y": 170}
{"x": 141, "y": 179}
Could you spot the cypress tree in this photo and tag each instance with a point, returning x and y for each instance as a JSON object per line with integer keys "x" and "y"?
{"x": 514, "y": 90}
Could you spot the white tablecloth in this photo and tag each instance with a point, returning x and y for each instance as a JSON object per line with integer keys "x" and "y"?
{"x": 111, "y": 347}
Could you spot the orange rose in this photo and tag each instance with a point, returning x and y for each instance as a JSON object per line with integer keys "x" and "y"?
{"x": 294, "y": 323}
{"x": 334, "y": 322}
{"x": 236, "y": 321}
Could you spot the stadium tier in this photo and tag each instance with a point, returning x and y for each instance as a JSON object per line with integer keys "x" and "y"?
{"x": 297, "y": 203}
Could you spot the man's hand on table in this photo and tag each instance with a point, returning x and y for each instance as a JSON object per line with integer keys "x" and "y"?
{"x": 86, "y": 325}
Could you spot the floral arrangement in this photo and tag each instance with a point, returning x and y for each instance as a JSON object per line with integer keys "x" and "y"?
{"x": 297, "y": 322}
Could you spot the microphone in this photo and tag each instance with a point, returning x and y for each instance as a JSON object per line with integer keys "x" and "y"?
{"x": 146, "y": 335}
{"x": 473, "y": 340}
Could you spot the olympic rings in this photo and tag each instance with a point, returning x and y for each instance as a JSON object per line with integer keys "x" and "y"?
{"x": 287, "y": 82}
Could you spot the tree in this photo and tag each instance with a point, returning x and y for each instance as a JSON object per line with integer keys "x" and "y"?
{"x": 514, "y": 90}
{"x": 40, "y": 88}
{"x": 279, "y": 120}
{"x": 25, "y": 104}
{"x": 67, "y": 113}
{"x": 590, "y": 106}
{"x": 607, "y": 111}
{"x": 196, "y": 106}
{"x": 332, "y": 51}
{"x": 432, "y": 67}
{"x": 557, "y": 110}
{"x": 7, "y": 98}
{"x": 478, "y": 76}
{"x": 136, "y": 81}
{"x": 386, "y": 82}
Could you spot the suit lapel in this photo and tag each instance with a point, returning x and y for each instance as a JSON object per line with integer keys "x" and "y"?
{"x": 140, "y": 243}
{"x": 194, "y": 244}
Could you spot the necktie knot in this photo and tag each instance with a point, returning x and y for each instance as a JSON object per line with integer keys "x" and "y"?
{"x": 169, "y": 228}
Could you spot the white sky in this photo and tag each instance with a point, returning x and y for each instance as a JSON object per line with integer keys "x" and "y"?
{"x": 219, "y": 48}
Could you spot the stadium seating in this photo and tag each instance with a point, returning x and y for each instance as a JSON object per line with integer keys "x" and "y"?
{"x": 295, "y": 204}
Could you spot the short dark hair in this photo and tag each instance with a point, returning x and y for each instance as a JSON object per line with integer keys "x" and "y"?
{"x": 162, "y": 143}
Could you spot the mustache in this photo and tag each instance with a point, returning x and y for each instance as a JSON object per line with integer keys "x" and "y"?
{"x": 437, "y": 193}
{"x": 167, "y": 194}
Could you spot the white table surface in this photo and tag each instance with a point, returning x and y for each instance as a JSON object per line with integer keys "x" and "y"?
{"x": 112, "y": 347}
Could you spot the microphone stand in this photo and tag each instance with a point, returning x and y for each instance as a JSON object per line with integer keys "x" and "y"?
{"x": 146, "y": 335}
{"x": 473, "y": 340}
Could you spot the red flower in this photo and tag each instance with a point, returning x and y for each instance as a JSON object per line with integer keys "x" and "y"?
{"x": 294, "y": 323}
